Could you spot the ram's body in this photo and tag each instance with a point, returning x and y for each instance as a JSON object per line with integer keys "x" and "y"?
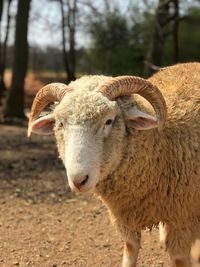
{"x": 146, "y": 177}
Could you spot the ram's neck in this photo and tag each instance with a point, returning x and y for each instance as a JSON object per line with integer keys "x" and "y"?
{"x": 155, "y": 171}
{"x": 136, "y": 178}
{"x": 141, "y": 162}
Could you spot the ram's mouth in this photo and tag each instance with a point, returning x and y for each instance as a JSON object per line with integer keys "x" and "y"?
{"x": 85, "y": 190}
{"x": 82, "y": 189}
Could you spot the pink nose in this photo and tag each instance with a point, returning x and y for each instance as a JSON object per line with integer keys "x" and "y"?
{"x": 79, "y": 183}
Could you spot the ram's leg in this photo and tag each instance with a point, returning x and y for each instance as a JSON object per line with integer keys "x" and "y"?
{"x": 195, "y": 252}
{"x": 162, "y": 235}
{"x": 178, "y": 261}
{"x": 131, "y": 249}
{"x": 178, "y": 244}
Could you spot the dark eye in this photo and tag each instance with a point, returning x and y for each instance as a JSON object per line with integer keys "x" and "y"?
{"x": 109, "y": 122}
{"x": 61, "y": 125}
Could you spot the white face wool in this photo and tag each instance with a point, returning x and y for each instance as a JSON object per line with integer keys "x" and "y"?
{"x": 90, "y": 134}
{"x": 82, "y": 158}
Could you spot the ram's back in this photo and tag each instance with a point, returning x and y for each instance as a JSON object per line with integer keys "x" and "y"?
{"x": 180, "y": 86}
{"x": 180, "y": 79}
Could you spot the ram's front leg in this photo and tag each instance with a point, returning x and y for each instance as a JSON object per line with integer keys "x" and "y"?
{"x": 131, "y": 249}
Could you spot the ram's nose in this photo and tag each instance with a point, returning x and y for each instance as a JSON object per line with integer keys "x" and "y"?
{"x": 81, "y": 182}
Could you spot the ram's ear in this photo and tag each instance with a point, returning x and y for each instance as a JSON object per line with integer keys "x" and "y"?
{"x": 140, "y": 120}
{"x": 43, "y": 125}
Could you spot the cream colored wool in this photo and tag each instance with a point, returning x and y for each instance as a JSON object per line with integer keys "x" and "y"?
{"x": 159, "y": 177}
{"x": 149, "y": 176}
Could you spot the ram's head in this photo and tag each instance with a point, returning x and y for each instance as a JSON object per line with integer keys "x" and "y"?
{"x": 91, "y": 125}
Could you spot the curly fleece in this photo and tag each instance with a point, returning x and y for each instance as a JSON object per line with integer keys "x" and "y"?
{"x": 157, "y": 174}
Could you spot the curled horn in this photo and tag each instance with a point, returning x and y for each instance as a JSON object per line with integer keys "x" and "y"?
{"x": 127, "y": 85}
{"x": 47, "y": 94}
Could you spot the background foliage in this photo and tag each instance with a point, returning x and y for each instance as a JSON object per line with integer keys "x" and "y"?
{"x": 69, "y": 38}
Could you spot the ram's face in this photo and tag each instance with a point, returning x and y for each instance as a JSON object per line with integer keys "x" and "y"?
{"x": 89, "y": 130}
{"x": 90, "y": 126}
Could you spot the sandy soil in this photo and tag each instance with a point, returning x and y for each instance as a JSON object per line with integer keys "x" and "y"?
{"x": 44, "y": 224}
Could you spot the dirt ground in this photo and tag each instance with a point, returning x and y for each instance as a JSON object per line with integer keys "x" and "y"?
{"x": 44, "y": 224}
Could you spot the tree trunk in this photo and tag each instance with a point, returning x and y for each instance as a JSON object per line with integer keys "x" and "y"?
{"x": 69, "y": 56}
{"x": 1, "y": 88}
{"x": 162, "y": 21}
{"x": 4, "y": 50}
{"x": 15, "y": 101}
{"x": 72, "y": 52}
{"x": 155, "y": 55}
{"x": 175, "y": 31}
{"x": 65, "y": 54}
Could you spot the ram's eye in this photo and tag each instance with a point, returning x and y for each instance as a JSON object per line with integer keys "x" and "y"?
{"x": 109, "y": 122}
{"x": 61, "y": 125}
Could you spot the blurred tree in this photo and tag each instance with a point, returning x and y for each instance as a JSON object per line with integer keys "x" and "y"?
{"x": 189, "y": 36}
{"x": 176, "y": 31}
{"x": 1, "y": 9}
{"x": 68, "y": 15}
{"x": 109, "y": 35}
{"x": 115, "y": 50}
{"x": 15, "y": 100}
{"x": 2, "y": 88}
{"x": 3, "y": 44}
{"x": 167, "y": 14}
{"x": 48, "y": 59}
{"x": 158, "y": 29}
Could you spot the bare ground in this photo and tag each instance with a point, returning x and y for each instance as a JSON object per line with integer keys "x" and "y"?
{"x": 44, "y": 224}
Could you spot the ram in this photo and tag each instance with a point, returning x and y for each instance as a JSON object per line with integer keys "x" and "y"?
{"x": 134, "y": 143}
